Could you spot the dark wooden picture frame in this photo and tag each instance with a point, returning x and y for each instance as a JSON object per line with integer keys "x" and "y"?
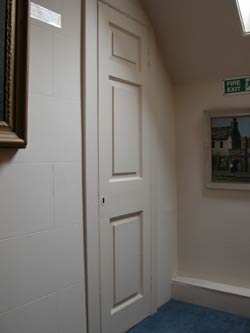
{"x": 14, "y": 70}
{"x": 227, "y": 149}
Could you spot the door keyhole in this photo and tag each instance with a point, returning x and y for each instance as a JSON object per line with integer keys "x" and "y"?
{"x": 103, "y": 201}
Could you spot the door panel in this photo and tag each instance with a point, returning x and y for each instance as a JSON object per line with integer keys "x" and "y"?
{"x": 125, "y": 46}
{"x": 126, "y": 128}
{"x": 124, "y": 172}
{"x": 127, "y": 259}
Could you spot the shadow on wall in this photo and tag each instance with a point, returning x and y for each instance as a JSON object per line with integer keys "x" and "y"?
{"x": 6, "y": 155}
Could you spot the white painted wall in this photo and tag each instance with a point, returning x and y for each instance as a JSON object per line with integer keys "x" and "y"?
{"x": 213, "y": 225}
{"x": 41, "y": 236}
{"x": 161, "y": 102}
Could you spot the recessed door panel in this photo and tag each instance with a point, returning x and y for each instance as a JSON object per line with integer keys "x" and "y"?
{"x": 126, "y": 108}
{"x": 125, "y": 46}
{"x": 128, "y": 261}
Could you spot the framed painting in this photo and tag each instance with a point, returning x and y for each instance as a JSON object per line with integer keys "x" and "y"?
{"x": 227, "y": 146}
{"x": 14, "y": 18}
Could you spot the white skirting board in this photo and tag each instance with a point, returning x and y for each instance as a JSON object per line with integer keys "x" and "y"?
{"x": 214, "y": 295}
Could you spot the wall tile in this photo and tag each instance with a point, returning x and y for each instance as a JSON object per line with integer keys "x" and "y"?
{"x": 54, "y": 132}
{"x": 71, "y": 309}
{"x": 36, "y": 317}
{"x": 71, "y": 18}
{"x": 68, "y": 194}
{"x": 26, "y": 203}
{"x": 67, "y": 251}
{"x": 66, "y": 66}
{"x": 27, "y": 269}
{"x": 37, "y": 265}
{"x": 41, "y": 53}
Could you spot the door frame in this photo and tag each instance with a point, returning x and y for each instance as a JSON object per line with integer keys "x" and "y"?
{"x": 91, "y": 161}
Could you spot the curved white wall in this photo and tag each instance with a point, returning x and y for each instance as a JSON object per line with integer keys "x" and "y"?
{"x": 161, "y": 103}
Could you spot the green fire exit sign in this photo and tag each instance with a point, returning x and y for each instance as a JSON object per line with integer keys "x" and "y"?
{"x": 237, "y": 86}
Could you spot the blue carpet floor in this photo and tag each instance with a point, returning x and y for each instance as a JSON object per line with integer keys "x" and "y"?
{"x": 179, "y": 317}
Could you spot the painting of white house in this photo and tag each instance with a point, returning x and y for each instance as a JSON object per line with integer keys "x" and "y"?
{"x": 230, "y": 149}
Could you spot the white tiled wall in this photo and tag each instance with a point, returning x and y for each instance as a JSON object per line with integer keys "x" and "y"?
{"x": 41, "y": 236}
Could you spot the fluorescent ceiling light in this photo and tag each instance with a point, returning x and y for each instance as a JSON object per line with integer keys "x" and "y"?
{"x": 244, "y": 11}
{"x": 45, "y": 15}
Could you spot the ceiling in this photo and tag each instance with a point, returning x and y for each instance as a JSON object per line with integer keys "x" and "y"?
{"x": 200, "y": 39}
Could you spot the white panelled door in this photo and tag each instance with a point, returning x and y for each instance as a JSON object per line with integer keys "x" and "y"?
{"x": 124, "y": 171}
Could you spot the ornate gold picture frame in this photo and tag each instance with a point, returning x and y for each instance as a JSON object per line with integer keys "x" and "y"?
{"x": 14, "y": 73}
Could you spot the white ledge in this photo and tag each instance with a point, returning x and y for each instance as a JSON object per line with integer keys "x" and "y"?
{"x": 220, "y": 287}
